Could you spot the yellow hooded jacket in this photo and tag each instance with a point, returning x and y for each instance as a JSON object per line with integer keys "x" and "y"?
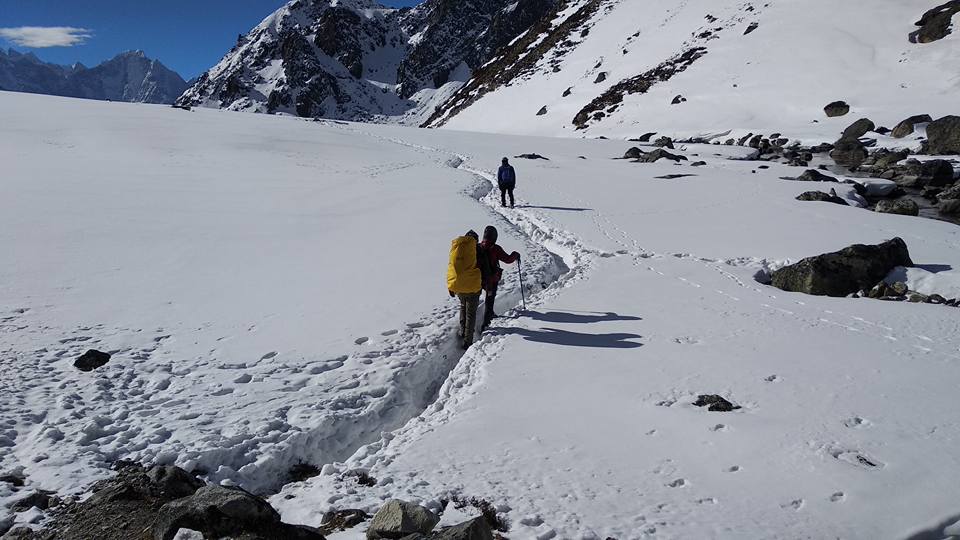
{"x": 463, "y": 274}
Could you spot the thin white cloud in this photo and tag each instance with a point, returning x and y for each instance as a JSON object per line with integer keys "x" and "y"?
{"x": 38, "y": 37}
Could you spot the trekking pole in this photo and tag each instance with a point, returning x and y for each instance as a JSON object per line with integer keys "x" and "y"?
{"x": 520, "y": 271}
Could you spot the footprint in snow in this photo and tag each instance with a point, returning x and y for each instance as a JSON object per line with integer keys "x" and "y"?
{"x": 679, "y": 482}
{"x": 735, "y": 468}
{"x": 856, "y": 422}
{"x": 838, "y": 497}
{"x": 719, "y": 427}
{"x": 269, "y": 355}
{"x": 389, "y": 333}
{"x": 361, "y": 340}
{"x": 795, "y": 504}
{"x": 772, "y": 378}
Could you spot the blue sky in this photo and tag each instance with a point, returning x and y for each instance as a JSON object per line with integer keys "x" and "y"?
{"x": 188, "y": 36}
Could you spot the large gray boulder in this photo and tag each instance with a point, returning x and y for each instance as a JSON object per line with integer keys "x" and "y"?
{"x": 841, "y": 273}
{"x": 849, "y": 153}
{"x": 397, "y": 519}
{"x": 859, "y": 128}
{"x": 837, "y": 108}
{"x": 936, "y": 173}
{"x": 948, "y": 201}
{"x": 218, "y": 511}
{"x": 905, "y": 127}
{"x": 943, "y": 135}
{"x": 903, "y": 207}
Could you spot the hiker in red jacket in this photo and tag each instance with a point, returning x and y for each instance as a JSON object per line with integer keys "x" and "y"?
{"x": 495, "y": 254}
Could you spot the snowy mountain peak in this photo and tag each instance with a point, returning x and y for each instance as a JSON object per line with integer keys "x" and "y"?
{"x": 357, "y": 59}
{"x": 129, "y": 76}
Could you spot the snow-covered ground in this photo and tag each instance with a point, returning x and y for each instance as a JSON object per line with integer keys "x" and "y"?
{"x": 272, "y": 289}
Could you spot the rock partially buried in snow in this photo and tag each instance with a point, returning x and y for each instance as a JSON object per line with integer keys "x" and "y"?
{"x": 905, "y": 127}
{"x": 903, "y": 207}
{"x": 819, "y": 196}
{"x": 475, "y": 529}
{"x": 660, "y": 153}
{"x": 633, "y": 153}
{"x": 849, "y": 152}
{"x": 91, "y": 360}
{"x": 532, "y": 156}
{"x": 226, "y": 512}
{"x": 715, "y": 403}
{"x": 397, "y": 519}
{"x": 837, "y": 108}
{"x": 843, "y": 272}
{"x": 813, "y": 175}
{"x": 943, "y": 135}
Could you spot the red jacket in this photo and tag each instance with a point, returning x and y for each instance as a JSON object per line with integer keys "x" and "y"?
{"x": 496, "y": 255}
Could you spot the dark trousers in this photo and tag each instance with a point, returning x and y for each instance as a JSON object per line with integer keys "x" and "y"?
{"x": 488, "y": 302}
{"x": 468, "y": 316}
{"x": 503, "y": 195}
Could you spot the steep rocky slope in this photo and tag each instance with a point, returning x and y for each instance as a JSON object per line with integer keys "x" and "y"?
{"x": 356, "y": 59}
{"x": 706, "y": 67}
{"x": 129, "y": 76}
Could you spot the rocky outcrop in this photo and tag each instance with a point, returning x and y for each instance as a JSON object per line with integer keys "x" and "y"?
{"x": 843, "y": 272}
{"x": 935, "y": 23}
{"x": 475, "y": 529}
{"x": 948, "y": 201}
{"x": 397, "y": 519}
{"x": 357, "y": 59}
{"x": 903, "y": 207}
{"x": 943, "y": 135}
{"x": 905, "y": 127}
{"x": 659, "y": 153}
{"x": 610, "y": 101}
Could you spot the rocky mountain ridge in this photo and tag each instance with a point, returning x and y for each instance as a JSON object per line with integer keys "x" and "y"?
{"x": 129, "y": 76}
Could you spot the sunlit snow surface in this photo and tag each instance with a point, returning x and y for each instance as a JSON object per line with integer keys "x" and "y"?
{"x": 272, "y": 290}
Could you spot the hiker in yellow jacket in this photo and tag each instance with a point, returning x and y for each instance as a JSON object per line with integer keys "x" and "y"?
{"x": 465, "y": 277}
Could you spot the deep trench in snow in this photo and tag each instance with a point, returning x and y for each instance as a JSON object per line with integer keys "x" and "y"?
{"x": 339, "y": 437}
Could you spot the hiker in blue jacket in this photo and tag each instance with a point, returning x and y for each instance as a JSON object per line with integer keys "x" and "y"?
{"x": 506, "y": 181}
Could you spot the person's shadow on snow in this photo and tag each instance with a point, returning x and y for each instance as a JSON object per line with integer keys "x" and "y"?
{"x": 579, "y": 317}
{"x": 553, "y": 336}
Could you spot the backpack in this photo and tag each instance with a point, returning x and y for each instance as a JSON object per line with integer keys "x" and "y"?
{"x": 464, "y": 276}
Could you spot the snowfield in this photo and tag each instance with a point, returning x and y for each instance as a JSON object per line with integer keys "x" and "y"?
{"x": 272, "y": 292}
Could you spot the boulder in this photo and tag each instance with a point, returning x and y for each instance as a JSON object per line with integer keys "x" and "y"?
{"x": 813, "y": 175}
{"x": 660, "y": 153}
{"x": 943, "y": 135}
{"x": 173, "y": 482}
{"x": 905, "y": 127}
{"x": 949, "y": 207}
{"x": 843, "y": 272}
{"x": 884, "y": 159}
{"x": 542, "y": 111}
{"x": 664, "y": 142}
{"x": 218, "y": 511}
{"x": 714, "y": 403}
{"x": 633, "y": 153}
{"x": 849, "y": 153}
{"x": 936, "y": 173}
{"x": 837, "y": 108}
{"x": 935, "y": 23}
{"x": 822, "y": 197}
{"x": 91, "y": 360}
{"x": 397, "y": 519}
{"x": 858, "y": 129}
{"x": 878, "y": 187}
{"x": 475, "y": 529}
{"x": 903, "y": 207}
{"x": 341, "y": 520}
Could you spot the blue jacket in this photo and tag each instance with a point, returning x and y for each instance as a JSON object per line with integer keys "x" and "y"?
{"x": 506, "y": 177}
